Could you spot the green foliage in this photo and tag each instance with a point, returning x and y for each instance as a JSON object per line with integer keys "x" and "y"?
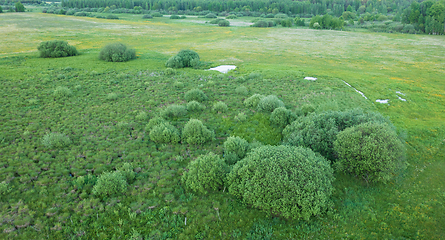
{"x": 112, "y": 16}
{"x": 174, "y": 110}
{"x": 62, "y": 92}
{"x": 195, "y": 95}
{"x": 127, "y": 171}
{"x": 183, "y": 59}
{"x": 269, "y": 103}
{"x": 220, "y": 107}
{"x": 235, "y": 148}
{"x": 19, "y": 7}
{"x": 306, "y": 109}
{"x": 241, "y": 117}
{"x": 288, "y": 22}
{"x": 196, "y": 133}
{"x": 252, "y": 102}
{"x": 326, "y": 22}
{"x": 174, "y": 17}
{"x": 170, "y": 71}
{"x": 371, "y": 151}
{"x": 157, "y": 14}
{"x": 153, "y": 122}
{"x": 112, "y": 96}
{"x": 281, "y": 117}
{"x": 210, "y": 15}
{"x": 55, "y": 49}
{"x": 319, "y": 131}
{"x": 223, "y": 23}
{"x": 1, "y": 9}
{"x": 205, "y": 173}
{"x": 292, "y": 182}
{"x": 194, "y": 106}
{"x": 242, "y": 90}
{"x": 55, "y": 140}
{"x": 117, "y": 52}
{"x": 231, "y": 16}
{"x": 109, "y": 184}
{"x": 263, "y": 24}
{"x": 164, "y": 133}
{"x": 255, "y": 75}
{"x": 147, "y": 16}
{"x": 4, "y": 188}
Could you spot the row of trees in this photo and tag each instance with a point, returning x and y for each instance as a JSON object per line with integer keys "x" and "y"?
{"x": 427, "y": 17}
{"x": 265, "y": 6}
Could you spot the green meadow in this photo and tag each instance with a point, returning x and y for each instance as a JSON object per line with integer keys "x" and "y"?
{"x": 109, "y": 105}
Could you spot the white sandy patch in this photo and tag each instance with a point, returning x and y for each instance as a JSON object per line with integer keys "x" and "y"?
{"x": 385, "y": 101}
{"x": 402, "y": 99}
{"x": 363, "y": 95}
{"x": 310, "y": 78}
{"x": 398, "y": 92}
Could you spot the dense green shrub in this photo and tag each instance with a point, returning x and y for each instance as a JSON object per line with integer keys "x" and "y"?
{"x": 164, "y": 133}
{"x": 242, "y": 90}
{"x": 195, "y": 95}
{"x": 4, "y": 186}
{"x": 371, "y": 151}
{"x": 287, "y": 22}
{"x": 183, "y": 59}
{"x": 70, "y": 12}
{"x": 215, "y": 21}
{"x": 220, "y": 107}
{"x": 80, "y": 14}
{"x": 231, "y": 16}
{"x": 292, "y": 182}
{"x": 157, "y": 14}
{"x": 255, "y": 75}
{"x": 263, "y": 24}
{"x": 117, "y": 52}
{"x": 19, "y": 7}
{"x": 55, "y": 139}
{"x": 211, "y": 15}
{"x": 195, "y": 106}
{"x": 223, "y": 23}
{"x": 112, "y": 16}
{"x": 319, "y": 131}
{"x": 241, "y": 117}
{"x": 128, "y": 172}
{"x": 195, "y": 132}
{"x": 1, "y": 9}
{"x": 147, "y": 16}
{"x": 269, "y": 103}
{"x": 252, "y": 102}
{"x": 281, "y": 117}
{"x": 110, "y": 183}
{"x": 235, "y": 148}
{"x": 174, "y": 17}
{"x": 153, "y": 122}
{"x": 206, "y": 173}
{"x": 62, "y": 92}
{"x": 55, "y": 49}
{"x": 112, "y": 96}
{"x": 174, "y": 110}
{"x": 240, "y": 79}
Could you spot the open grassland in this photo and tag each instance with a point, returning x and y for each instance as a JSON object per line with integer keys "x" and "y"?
{"x": 106, "y": 131}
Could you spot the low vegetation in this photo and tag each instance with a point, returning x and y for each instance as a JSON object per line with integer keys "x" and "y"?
{"x": 117, "y": 52}
{"x": 56, "y": 49}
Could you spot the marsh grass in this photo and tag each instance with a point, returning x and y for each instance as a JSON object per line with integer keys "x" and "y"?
{"x": 104, "y": 134}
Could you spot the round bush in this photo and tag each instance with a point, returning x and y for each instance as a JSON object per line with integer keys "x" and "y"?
{"x": 371, "y": 151}
{"x": 232, "y": 16}
{"x": 174, "y": 17}
{"x": 184, "y": 58}
{"x": 153, "y": 122}
{"x": 319, "y": 131}
{"x": 223, "y": 23}
{"x": 206, "y": 173}
{"x": 195, "y": 106}
{"x": 55, "y": 49}
{"x": 174, "y": 62}
{"x": 252, "y": 102}
{"x": 157, "y": 14}
{"x": 112, "y": 16}
{"x": 147, "y": 16}
{"x": 110, "y": 183}
{"x": 242, "y": 90}
{"x": 195, "y": 95}
{"x": 195, "y": 132}
{"x": 235, "y": 148}
{"x": 62, "y": 92}
{"x": 292, "y": 182}
{"x": 281, "y": 117}
{"x": 117, "y": 52}
{"x": 220, "y": 107}
{"x": 80, "y": 14}
{"x": 269, "y": 103}
{"x": 211, "y": 15}
{"x": 165, "y": 133}
{"x": 174, "y": 110}
{"x": 54, "y": 139}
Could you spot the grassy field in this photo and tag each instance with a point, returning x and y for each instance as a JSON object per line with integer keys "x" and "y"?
{"x": 45, "y": 202}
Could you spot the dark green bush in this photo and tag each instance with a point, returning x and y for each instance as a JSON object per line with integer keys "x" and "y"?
{"x": 174, "y": 17}
{"x": 215, "y": 21}
{"x": 195, "y": 95}
{"x": 371, "y": 151}
{"x": 62, "y": 92}
{"x": 195, "y": 106}
{"x": 281, "y": 117}
{"x": 292, "y": 182}
{"x": 269, "y": 103}
{"x": 112, "y": 16}
{"x": 206, "y": 173}
{"x": 211, "y": 15}
{"x": 55, "y": 49}
{"x": 165, "y": 133}
{"x": 147, "y": 16}
{"x": 55, "y": 139}
{"x": 157, "y": 14}
{"x": 220, "y": 107}
{"x": 174, "y": 110}
{"x": 19, "y": 7}
{"x": 153, "y": 122}
{"x": 319, "y": 131}
{"x": 71, "y": 12}
{"x": 110, "y": 183}
{"x": 80, "y": 14}
{"x": 252, "y": 102}
{"x": 196, "y": 133}
{"x": 242, "y": 90}
{"x": 223, "y": 23}
{"x": 232, "y": 16}
{"x": 183, "y": 59}
{"x": 117, "y": 52}
{"x": 235, "y": 148}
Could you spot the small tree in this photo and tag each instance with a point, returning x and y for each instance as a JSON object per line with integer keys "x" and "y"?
{"x": 371, "y": 151}
{"x": 206, "y": 173}
{"x": 1, "y": 9}
{"x": 110, "y": 183}
{"x": 269, "y": 103}
{"x": 223, "y": 23}
{"x": 184, "y": 58}
{"x": 56, "y": 49}
{"x": 19, "y": 7}
{"x": 235, "y": 148}
{"x": 196, "y": 133}
{"x": 195, "y": 95}
{"x": 165, "y": 133}
{"x": 117, "y": 52}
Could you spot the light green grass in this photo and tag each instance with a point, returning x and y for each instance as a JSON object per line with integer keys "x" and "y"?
{"x": 103, "y": 131}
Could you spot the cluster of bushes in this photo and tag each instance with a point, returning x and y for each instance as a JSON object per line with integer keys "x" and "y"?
{"x": 117, "y": 52}
{"x": 185, "y": 58}
{"x": 326, "y": 22}
{"x": 176, "y": 17}
{"x": 263, "y": 24}
{"x": 220, "y": 22}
